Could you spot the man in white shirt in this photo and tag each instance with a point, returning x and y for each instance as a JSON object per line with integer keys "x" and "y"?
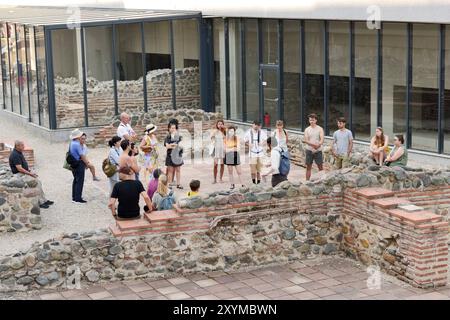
{"x": 275, "y": 160}
{"x": 313, "y": 138}
{"x": 256, "y": 138}
{"x": 124, "y": 131}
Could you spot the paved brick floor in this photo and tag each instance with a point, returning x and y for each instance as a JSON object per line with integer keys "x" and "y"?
{"x": 322, "y": 278}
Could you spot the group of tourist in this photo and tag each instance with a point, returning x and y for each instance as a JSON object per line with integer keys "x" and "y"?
{"x": 268, "y": 155}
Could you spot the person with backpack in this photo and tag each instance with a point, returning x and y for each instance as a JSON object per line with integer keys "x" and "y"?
{"x": 127, "y": 192}
{"x": 256, "y": 139}
{"x": 113, "y": 160}
{"x": 279, "y": 163}
{"x": 164, "y": 197}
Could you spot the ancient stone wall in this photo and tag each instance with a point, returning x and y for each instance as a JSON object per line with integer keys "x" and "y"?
{"x": 19, "y": 207}
{"x": 257, "y": 226}
{"x": 100, "y": 96}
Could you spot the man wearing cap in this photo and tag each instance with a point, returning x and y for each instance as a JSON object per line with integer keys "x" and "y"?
{"x": 77, "y": 152}
{"x": 124, "y": 130}
{"x": 148, "y": 146}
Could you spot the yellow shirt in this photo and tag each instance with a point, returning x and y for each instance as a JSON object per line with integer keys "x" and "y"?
{"x": 192, "y": 193}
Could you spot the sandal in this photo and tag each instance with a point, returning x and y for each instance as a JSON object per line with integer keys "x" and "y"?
{"x": 232, "y": 187}
{"x": 179, "y": 186}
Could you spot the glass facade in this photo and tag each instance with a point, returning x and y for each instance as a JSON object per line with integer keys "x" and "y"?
{"x": 186, "y": 42}
{"x": 388, "y": 77}
{"x": 99, "y": 74}
{"x": 22, "y": 70}
{"x": 365, "y": 95}
{"x": 235, "y": 32}
{"x": 129, "y": 72}
{"x": 292, "y": 73}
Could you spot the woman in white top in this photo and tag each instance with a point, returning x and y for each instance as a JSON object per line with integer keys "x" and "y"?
{"x": 217, "y": 138}
{"x": 114, "y": 155}
{"x": 280, "y": 135}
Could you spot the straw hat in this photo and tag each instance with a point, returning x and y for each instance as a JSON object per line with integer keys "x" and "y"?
{"x": 151, "y": 128}
{"x": 75, "y": 134}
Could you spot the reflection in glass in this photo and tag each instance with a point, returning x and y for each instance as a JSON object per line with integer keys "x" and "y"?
{"x": 365, "y": 97}
{"x": 314, "y": 70}
{"x": 69, "y": 99}
{"x": 270, "y": 41}
{"x": 42, "y": 77}
{"x": 447, "y": 92}
{"x": 219, "y": 66}
{"x": 394, "y": 78}
{"x": 14, "y": 68}
{"x": 158, "y": 66}
{"x": 291, "y": 72}
{"x": 129, "y": 73}
{"x": 99, "y": 75}
{"x": 22, "y": 73}
{"x": 32, "y": 74}
{"x": 425, "y": 84}
{"x": 187, "y": 71}
{"x": 235, "y": 69}
{"x": 251, "y": 70}
{"x": 339, "y": 70}
{"x": 5, "y": 67}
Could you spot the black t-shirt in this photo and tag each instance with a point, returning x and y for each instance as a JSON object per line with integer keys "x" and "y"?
{"x": 128, "y": 192}
{"x": 16, "y": 158}
{"x": 169, "y": 140}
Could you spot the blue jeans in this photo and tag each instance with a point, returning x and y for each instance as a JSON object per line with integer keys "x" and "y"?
{"x": 78, "y": 181}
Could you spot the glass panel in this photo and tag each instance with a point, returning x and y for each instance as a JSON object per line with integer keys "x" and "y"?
{"x": 129, "y": 71}
{"x": 270, "y": 41}
{"x": 236, "y": 111}
{"x": 365, "y": 97}
{"x": 270, "y": 92}
{"x": 68, "y": 78}
{"x": 339, "y": 70}
{"x": 447, "y": 92}
{"x": 425, "y": 87}
{"x": 219, "y": 66}
{"x": 314, "y": 70}
{"x": 5, "y": 67}
{"x": 14, "y": 68}
{"x": 291, "y": 71}
{"x": 99, "y": 77}
{"x": 394, "y": 78}
{"x": 187, "y": 61}
{"x": 32, "y": 73}
{"x": 251, "y": 70}
{"x": 42, "y": 77}
{"x": 158, "y": 65}
{"x": 22, "y": 72}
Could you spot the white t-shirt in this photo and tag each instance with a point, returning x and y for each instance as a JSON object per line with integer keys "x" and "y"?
{"x": 256, "y": 149}
{"x": 124, "y": 129}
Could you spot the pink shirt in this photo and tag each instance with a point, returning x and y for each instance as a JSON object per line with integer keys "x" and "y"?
{"x": 152, "y": 186}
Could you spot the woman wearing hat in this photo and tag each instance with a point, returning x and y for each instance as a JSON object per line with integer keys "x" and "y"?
{"x": 148, "y": 146}
{"x": 79, "y": 167}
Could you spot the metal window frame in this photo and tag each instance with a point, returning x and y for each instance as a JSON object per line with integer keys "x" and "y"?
{"x": 144, "y": 71}
{"x": 9, "y": 67}
{"x": 409, "y": 56}
{"x": 280, "y": 80}
{"x": 50, "y": 78}
{"x": 84, "y": 71}
{"x": 206, "y": 66}
{"x": 243, "y": 23}
{"x": 172, "y": 62}
{"x": 1, "y": 71}
{"x": 17, "y": 70}
{"x": 441, "y": 101}
{"x": 380, "y": 75}
{"x": 114, "y": 67}
{"x": 259, "y": 41}
{"x": 302, "y": 76}
{"x": 37, "y": 78}
{"x": 326, "y": 78}
{"x": 26, "y": 32}
{"x": 351, "y": 87}
{"x": 227, "y": 67}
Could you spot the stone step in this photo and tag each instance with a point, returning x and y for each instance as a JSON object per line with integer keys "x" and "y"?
{"x": 416, "y": 217}
{"x": 135, "y": 224}
{"x": 389, "y": 203}
{"x": 374, "y": 193}
{"x": 166, "y": 215}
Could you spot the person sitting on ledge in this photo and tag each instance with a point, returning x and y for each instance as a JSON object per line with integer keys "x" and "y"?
{"x": 399, "y": 155}
{"x": 19, "y": 166}
{"x": 127, "y": 192}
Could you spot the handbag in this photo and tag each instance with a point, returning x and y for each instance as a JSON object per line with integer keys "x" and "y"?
{"x": 108, "y": 168}
{"x": 211, "y": 150}
{"x": 69, "y": 161}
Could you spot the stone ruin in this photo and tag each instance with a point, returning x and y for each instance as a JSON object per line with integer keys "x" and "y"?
{"x": 100, "y": 95}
